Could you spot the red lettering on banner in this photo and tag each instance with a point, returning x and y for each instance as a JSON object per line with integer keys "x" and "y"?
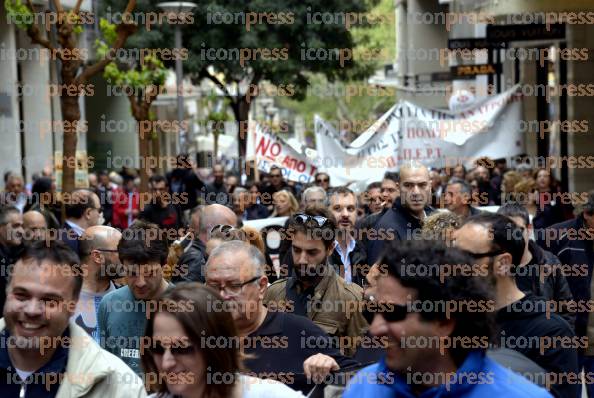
{"x": 264, "y": 144}
{"x": 275, "y": 147}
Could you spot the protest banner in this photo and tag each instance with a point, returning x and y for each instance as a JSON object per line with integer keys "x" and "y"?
{"x": 270, "y": 150}
{"x": 437, "y": 138}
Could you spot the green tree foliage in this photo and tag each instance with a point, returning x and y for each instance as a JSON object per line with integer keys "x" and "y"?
{"x": 228, "y": 39}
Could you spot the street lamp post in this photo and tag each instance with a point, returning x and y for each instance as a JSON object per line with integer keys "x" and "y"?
{"x": 178, "y": 7}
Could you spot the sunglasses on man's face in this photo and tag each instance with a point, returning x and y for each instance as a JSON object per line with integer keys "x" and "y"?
{"x": 398, "y": 314}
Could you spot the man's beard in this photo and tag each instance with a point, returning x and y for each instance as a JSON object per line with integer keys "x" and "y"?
{"x": 310, "y": 275}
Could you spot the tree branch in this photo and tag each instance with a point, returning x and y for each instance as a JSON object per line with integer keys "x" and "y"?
{"x": 125, "y": 29}
{"x": 34, "y": 34}
{"x": 205, "y": 74}
{"x": 76, "y": 8}
{"x": 58, "y": 6}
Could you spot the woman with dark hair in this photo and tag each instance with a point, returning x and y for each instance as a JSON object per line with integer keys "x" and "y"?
{"x": 550, "y": 210}
{"x": 191, "y": 349}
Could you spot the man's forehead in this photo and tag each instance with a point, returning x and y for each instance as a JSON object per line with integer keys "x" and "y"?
{"x": 390, "y": 289}
{"x": 43, "y": 276}
{"x": 343, "y": 199}
{"x": 301, "y": 241}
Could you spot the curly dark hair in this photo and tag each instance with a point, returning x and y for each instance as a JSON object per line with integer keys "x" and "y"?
{"x": 419, "y": 256}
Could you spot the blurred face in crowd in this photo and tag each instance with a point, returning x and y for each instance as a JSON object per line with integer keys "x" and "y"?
{"x": 11, "y": 232}
{"x": 415, "y": 189}
{"x": 374, "y": 196}
{"x": 240, "y": 201}
{"x": 402, "y": 357}
{"x": 226, "y": 273}
{"x": 588, "y": 218}
{"x": 435, "y": 179}
{"x": 34, "y": 225}
{"x": 94, "y": 214}
{"x": 231, "y": 183}
{"x": 309, "y": 257}
{"x": 276, "y": 177}
{"x": 459, "y": 172}
{"x": 315, "y": 198}
{"x": 144, "y": 280}
{"x": 40, "y": 300}
{"x": 481, "y": 173}
{"x": 104, "y": 180}
{"x": 543, "y": 181}
{"x": 390, "y": 192}
{"x": 93, "y": 180}
{"x": 344, "y": 210}
{"x": 218, "y": 173}
{"x": 254, "y": 194}
{"x": 15, "y": 185}
{"x": 282, "y": 204}
{"x": 455, "y": 199}
{"x": 323, "y": 181}
{"x": 186, "y": 364}
{"x": 159, "y": 189}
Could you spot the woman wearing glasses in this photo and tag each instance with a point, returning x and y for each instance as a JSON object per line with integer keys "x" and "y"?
{"x": 285, "y": 204}
{"x": 192, "y": 350}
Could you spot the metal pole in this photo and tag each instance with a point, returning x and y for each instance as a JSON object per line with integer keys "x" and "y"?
{"x": 178, "y": 82}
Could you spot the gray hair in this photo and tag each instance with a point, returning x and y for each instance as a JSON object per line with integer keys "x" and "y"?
{"x": 311, "y": 190}
{"x": 464, "y": 186}
{"x": 234, "y": 247}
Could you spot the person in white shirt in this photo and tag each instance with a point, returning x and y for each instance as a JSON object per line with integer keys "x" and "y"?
{"x": 100, "y": 261}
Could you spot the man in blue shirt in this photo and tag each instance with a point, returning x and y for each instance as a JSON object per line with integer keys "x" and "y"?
{"x": 123, "y": 313}
{"x": 438, "y": 325}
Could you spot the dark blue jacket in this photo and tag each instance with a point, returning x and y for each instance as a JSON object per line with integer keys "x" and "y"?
{"x": 489, "y": 380}
{"x": 396, "y": 222}
{"x": 572, "y": 243}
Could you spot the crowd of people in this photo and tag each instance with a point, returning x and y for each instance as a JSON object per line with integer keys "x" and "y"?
{"x": 431, "y": 282}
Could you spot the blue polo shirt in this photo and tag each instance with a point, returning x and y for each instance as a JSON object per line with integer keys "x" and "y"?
{"x": 43, "y": 383}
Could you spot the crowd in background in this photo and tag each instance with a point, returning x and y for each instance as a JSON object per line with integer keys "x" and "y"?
{"x": 185, "y": 245}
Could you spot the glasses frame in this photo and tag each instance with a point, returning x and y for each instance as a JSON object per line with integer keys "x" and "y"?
{"x": 237, "y": 286}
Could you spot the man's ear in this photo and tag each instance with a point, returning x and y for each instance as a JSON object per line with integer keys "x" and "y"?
{"x": 262, "y": 286}
{"x": 502, "y": 266}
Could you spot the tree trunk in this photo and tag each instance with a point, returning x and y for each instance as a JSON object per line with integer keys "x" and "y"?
{"x": 71, "y": 117}
{"x": 241, "y": 110}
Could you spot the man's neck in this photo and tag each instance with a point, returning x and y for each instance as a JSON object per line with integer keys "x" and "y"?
{"x": 30, "y": 360}
{"x": 463, "y": 211}
{"x": 439, "y": 364}
{"x": 344, "y": 240}
{"x": 249, "y": 326}
{"x": 507, "y": 292}
{"x": 95, "y": 284}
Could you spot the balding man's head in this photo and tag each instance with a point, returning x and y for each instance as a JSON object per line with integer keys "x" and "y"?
{"x": 83, "y": 208}
{"x": 212, "y": 215}
{"x": 98, "y": 249}
{"x": 415, "y": 187}
{"x": 35, "y": 225}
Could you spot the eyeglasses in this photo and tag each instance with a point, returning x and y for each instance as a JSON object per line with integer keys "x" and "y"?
{"x": 234, "y": 289}
{"x": 304, "y": 219}
{"x": 158, "y": 349}
{"x": 224, "y": 228}
{"x": 321, "y": 180}
{"x": 275, "y": 175}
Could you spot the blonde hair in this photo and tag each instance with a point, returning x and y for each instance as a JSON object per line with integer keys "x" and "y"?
{"x": 294, "y": 205}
